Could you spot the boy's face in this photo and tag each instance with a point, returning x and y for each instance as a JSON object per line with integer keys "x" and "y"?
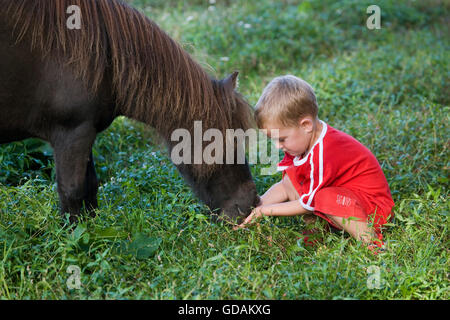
{"x": 294, "y": 140}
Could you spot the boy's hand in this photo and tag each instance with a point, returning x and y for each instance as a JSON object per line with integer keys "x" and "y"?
{"x": 254, "y": 215}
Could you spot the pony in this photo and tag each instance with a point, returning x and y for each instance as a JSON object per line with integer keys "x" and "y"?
{"x": 65, "y": 85}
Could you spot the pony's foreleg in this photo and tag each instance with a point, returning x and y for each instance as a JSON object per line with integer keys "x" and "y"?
{"x": 90, "y": 196}
{"x": 72, "y": 150}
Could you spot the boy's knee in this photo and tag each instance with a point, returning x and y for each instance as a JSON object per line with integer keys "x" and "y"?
{"x": 289, "y": 188}
{"x": 338, "y": 221}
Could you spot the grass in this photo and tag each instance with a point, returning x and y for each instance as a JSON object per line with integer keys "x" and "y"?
{"x": 152, "y": 238}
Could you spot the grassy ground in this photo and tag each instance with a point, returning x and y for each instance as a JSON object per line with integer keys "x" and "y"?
{"x": 152, "y": 238}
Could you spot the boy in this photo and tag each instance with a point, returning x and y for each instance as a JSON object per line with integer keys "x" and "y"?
{"x": 326, "y": 173}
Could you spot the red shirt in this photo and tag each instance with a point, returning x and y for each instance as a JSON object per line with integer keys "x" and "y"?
{"x": 339, "y": 160}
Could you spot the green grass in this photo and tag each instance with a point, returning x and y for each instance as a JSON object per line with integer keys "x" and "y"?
{"x": 152, "y": 238}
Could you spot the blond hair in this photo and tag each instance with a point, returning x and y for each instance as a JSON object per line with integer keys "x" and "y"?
{"x": 285, "y": 100}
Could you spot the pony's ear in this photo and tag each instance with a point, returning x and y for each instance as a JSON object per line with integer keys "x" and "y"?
{"x": 231, "y": 82}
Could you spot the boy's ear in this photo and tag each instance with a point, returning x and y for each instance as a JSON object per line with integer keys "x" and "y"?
{"x": 306, "y": 124}
{"x": 231, "y": 82}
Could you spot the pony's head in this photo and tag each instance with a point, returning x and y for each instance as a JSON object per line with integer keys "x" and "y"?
{"x": 227, "y": 188}
{"x": 230, "y": 192}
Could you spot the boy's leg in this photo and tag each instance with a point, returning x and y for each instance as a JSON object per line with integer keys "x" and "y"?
{"x": 280, "y": 192}
{"x": 310, "y": 238}
{"x": 275, "y": 194}
{"x": 292, "y": 194}
{"x": 359, "y": 230}
{"x": 337, "y": 205}
{"x": 289, "y": 188}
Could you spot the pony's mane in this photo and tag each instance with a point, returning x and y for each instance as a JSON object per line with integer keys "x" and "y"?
{"x": 153, "y": 79}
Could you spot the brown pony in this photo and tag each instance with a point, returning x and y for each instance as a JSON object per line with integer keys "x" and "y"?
{"x": 65, "y": 85}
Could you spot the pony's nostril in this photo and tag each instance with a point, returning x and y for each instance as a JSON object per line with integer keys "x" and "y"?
{"x": 239, "y": 210}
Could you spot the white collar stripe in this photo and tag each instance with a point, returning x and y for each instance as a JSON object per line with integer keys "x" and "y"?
{"x": 320, "y": 173}
{"x": 311, "y": 177}
{"x": 311, "y": 193}
{"x": 299, "y": 162}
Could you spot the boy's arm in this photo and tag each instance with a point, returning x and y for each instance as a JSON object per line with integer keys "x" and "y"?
{"x": 289, "y": 208}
